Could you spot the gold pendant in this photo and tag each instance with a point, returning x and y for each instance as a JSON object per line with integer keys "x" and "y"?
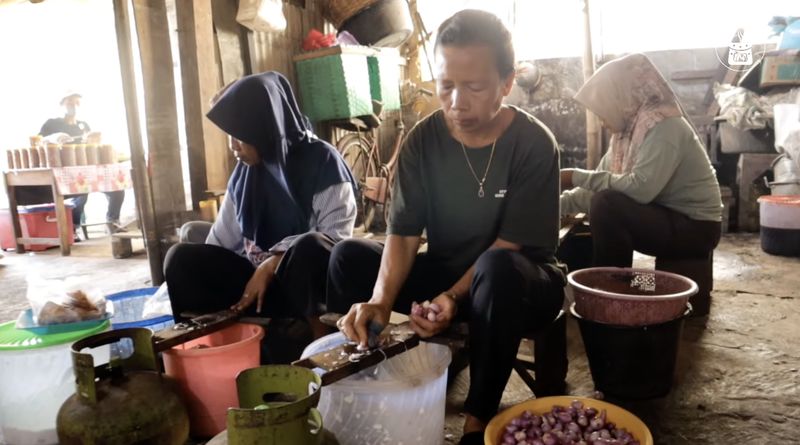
{"x": 480, "y": 192}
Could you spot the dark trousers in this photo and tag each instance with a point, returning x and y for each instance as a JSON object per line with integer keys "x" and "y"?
{"x": 620, "y": 225}
{"x": 203, "y": 278}
{"x": 509, "y": 295}
{"x": 115, "y": 199}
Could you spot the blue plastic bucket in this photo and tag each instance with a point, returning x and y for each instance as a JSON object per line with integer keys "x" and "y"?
{"x": 128, "y": 309}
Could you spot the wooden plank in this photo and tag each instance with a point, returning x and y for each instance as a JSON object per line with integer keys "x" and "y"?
{"x": 164, "y": 158}
{"x": 29, "y": 177}
{"x": 64, "y": 232}
{"x": 140, "y": 177}
{"x": 14, "y": 212}
{"x": 208, "y": 152}
{"x": 693, "y": 75}
{"x": 231, "y": 41}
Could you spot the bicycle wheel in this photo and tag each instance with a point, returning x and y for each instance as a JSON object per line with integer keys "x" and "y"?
{"x": 355, "y": 149}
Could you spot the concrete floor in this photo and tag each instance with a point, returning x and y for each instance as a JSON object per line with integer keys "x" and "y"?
{"x": 737, "y": 378}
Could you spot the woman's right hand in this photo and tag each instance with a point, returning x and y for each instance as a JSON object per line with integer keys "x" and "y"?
{"x": 363, "y": 320}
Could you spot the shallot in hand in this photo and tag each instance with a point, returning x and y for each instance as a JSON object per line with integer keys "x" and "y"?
{"x": 426, "y": 310}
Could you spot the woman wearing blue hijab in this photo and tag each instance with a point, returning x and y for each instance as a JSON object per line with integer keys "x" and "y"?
{"x": 290, "y": 198}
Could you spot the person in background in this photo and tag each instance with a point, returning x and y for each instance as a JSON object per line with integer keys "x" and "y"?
{"x": 481, "y": 179}
{"x": 290, "y": 198}
{"x": 655, "y": 190}
{"x": 69, "y": 130}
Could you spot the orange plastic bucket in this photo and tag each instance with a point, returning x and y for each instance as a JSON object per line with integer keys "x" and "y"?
{"x": 206, "y": 370}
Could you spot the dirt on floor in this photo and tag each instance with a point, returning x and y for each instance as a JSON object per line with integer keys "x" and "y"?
{"x": 738, "y": 370}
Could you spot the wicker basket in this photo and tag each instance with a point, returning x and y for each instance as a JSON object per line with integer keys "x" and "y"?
{"x": 337, "y": 11}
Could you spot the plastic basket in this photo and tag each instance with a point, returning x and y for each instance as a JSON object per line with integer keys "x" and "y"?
{"x": 334, "y": 82}
{"x": 384, "y": 78}
{"x": 128, "y": 308}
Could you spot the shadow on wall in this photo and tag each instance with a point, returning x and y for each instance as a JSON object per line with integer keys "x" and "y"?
{"x": 552, "y": 103}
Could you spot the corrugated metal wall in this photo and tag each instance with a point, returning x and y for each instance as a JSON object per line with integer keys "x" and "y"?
{"x": 274, "y": 51}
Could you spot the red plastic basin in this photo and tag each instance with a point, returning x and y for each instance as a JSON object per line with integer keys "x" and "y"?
{"x": 630, "y": 297}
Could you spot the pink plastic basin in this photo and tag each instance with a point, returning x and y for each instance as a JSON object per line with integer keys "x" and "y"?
{"x": 630, "y": 297}
{"x": 206, "y": 370}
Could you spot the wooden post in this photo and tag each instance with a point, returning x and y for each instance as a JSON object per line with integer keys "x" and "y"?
{"x": 13, "y": 211}
{"x": 64, "y": 233}
{"x": 141, "y": 180}
{"x": 594, "y": 143}
{"x": 231, "y": 40}
{"x": 164, "y": 157}
{"x": 208, "y": 153}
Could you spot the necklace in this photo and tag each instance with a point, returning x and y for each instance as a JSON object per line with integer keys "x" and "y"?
{"x": 472, "y": 170}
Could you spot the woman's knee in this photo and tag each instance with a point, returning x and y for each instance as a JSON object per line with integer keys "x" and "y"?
{"x": 495, "y": 262}
{"x": 178, "y": 257}
{"x": 311, "y": 243}
{"x": 346, "y": 251}
{"x": 604, "y": 207}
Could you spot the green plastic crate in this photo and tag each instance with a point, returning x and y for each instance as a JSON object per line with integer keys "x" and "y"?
{"x": 384, "y": 78}
{"x": 334, "y": 83}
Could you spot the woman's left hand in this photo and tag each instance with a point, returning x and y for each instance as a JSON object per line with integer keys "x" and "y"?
{"x": 257, "y": 286}
{"x": 427, "y": 328}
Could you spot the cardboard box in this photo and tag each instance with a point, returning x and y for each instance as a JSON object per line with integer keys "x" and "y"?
{"x": 780, "y": 68}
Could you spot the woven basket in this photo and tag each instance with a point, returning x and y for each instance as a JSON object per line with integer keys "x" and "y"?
{"x": 337, "y": 11}
{"x": 334, "y": 82}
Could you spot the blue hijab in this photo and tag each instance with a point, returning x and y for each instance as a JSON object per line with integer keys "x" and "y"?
{"x": 273, "y": 199}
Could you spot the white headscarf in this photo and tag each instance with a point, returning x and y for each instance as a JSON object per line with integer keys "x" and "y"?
{"x": 630, "y": 96}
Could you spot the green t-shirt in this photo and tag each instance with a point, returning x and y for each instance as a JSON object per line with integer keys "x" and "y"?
{"x": 435, "y": 190}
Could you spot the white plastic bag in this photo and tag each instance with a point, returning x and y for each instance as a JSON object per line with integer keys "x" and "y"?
{"x": 158, "y": 304}
{"x": 261, "y": 15}
{"x": 787, "y": 131}
{"x": 69, "y": 300}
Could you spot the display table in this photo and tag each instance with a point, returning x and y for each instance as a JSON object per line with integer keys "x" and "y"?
{"x": 63, "y": 181}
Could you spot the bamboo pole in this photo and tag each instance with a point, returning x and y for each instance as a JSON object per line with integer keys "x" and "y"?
{"x": 594, "y": 144}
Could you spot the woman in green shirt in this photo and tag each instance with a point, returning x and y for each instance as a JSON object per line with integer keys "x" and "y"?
{"x": 655, "y": 190}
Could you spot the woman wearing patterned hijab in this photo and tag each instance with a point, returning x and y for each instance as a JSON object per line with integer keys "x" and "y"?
{"x": 289, "y": 199}
{"x": 655, "y": 190}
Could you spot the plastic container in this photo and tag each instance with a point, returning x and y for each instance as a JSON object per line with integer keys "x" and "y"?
{"x": 787, "y": 176}
{"x": 384, "y": 77}
{"x": 780, "y": 224}
{"x": 630, "y": 297}
{"x": 36, "y": 221}
{"x": 632, "y": 362}
{"x": 401, "y": 400}
{"x": 334, "y": 82}
{"x": 36, "y": 377}
{"x": 621, "y": 417}
{"x": 206, "y": 370}
{"x": 128, "y": 308}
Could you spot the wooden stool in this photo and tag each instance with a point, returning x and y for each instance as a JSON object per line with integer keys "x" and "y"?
{"x": 699, "y": 269}
{"x": 549, "y": 361}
